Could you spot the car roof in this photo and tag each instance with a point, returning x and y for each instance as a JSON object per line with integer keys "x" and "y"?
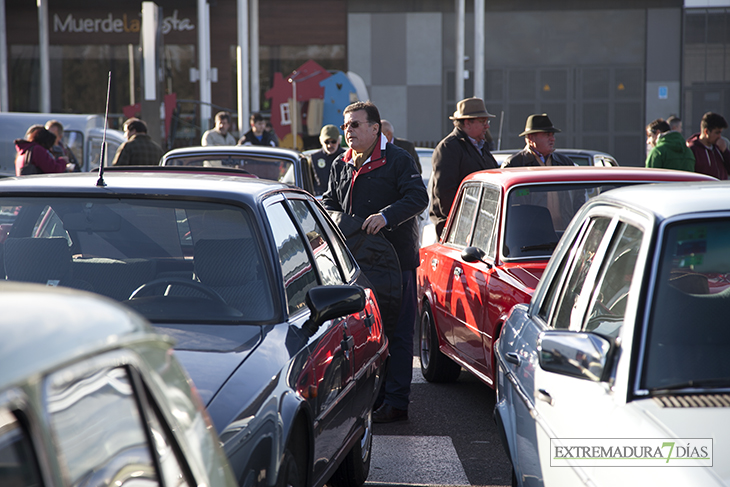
{"x": 674, "y": 199}
{"x": 509, "y": 177}
{"x": 145, "y": 183}
{"x": 232, "y": 149}
{"x": 45, "y": 327}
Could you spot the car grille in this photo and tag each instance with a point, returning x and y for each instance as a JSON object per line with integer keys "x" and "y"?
{"x": 695, "y": 401}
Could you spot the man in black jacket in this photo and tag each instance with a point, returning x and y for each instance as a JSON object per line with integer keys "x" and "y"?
{"x": 539, "y": 148}
{"x": 258, "y": 135}
{"x": 379, "y": 182}
{"x": 459, "y": 154}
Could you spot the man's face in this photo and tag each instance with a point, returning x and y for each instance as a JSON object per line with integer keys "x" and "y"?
{"x": 330, "y": 145}
{"x": 128, "y": 133}
{"x": 359, "y": 133}
{"x": 542, "y": 142}
{"x": 712, "y": 135}
{"x": 258, "y": 127}
{"x": 651, "y": 137}
{"x": 476, "y": 128}
{"x": 222, "y": 125}
{"x": 58, "y": 133}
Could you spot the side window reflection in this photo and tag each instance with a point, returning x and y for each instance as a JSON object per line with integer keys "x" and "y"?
{"x": 18, "y": 466}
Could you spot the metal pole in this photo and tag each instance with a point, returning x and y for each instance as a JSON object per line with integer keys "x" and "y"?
{"x": 4, "y": 94}
{"x": 204, "y": 63}
{"x": 479, "y": 49}
{"x": 255, "y": 76}
{"x": 459, "y": 74}
{"x": 294, "y": 115}
{"x": 45, "y": 60}
{"x": 242, "y": 64}
{"x": 130, "y": 53}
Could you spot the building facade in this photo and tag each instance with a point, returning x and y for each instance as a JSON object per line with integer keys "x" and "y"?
{"x": 601, "y": 70}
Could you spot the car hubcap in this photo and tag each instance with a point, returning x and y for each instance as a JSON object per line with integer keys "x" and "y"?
{"x": 425, "y": 340}
{"x": 367, "y": 437}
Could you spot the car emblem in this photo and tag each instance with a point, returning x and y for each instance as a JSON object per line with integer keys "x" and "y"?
{"x": 434, "y": 264}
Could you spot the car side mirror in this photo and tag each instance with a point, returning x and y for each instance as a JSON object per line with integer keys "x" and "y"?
{"x": 576, "y": 354}
{"x": 474, "y": 254}
{"x": 328, "y": 302}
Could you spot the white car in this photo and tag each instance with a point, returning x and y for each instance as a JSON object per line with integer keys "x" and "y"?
{"x": 622, "y": 356}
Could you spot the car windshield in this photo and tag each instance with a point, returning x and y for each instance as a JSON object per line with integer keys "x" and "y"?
{"x": 688, "y": 331}
{"x": 275, "y": 169}
{"x": 172, "y": 261}
{"x": 537, "y": 215}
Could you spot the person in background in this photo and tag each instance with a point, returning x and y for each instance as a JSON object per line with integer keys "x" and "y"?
{"x": 709, "y": 147}
{"x": 330, "y": 139}
{"x": 33, "y": 153}
{"x": 652, "y": 132}
{"x": 59, "y": 149}
{"x": 675, "y": 123}
{"x": 258, "y": 134}
{"x": 670, "y": 150}
{"x": 379, "y": 183}
{"x": 219, "y": 134}
{"x": 270, "y": 130}
{"x": 409, "y": 146}
{"x": 139, "y": 149}
{"x": 459, "y": 154}
{"x": 539, "y": 148}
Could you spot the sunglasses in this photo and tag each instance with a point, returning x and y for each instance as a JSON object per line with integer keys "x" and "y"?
{"x": 354, "y": 124}
{"x": 330, "y": 142}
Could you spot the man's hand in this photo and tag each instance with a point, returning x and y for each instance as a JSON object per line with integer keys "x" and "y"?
{"x": 721, "y": 144}
{"x": 373, "y": 224}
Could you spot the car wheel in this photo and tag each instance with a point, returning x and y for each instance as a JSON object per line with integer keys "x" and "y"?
{"x": 435, "y": 366}
{"x": 289, "y": 472}
{"x": 354, "y": 469}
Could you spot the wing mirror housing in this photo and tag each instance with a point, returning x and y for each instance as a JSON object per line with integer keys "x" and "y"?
{"x": 474, "y": 254}
{"x": 575, "y": 354}
{"x": 328, "y": 302}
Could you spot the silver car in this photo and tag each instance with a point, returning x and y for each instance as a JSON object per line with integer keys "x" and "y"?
{"x": 90, "y": 395}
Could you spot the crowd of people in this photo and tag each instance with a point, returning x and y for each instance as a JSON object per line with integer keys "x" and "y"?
{"x": 704, "y": 152}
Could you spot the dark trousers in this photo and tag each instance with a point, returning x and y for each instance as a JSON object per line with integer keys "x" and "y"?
{"x": 400, "y": 345}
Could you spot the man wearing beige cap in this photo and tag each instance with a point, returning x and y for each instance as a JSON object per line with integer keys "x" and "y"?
{"x": 539, "y": 136}
{"x": 330, "y": 139}
{"x": 459, "y": 154}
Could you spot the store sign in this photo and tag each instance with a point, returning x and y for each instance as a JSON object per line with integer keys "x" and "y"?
{"x": 110, "y": 24}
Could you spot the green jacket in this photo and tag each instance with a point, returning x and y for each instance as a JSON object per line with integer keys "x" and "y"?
{"x": 671, "y": 152}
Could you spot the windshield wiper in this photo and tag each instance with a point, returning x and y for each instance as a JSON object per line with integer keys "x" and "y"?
{"x": 719, "y": 383}
{"x": 545, "y": 246}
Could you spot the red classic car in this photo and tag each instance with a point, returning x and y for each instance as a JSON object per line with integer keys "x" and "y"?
{"x": 501, "y": 232}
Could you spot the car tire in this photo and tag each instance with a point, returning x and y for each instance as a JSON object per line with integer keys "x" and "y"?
{"x": 354, "y": 469}
{"x": 435, "y": 366}
{"x": 290, "y": 474}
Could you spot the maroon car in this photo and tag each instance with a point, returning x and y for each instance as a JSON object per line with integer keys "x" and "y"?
{"x": 501, "y": 232}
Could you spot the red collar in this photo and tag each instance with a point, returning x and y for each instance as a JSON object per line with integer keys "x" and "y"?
{"x": 376, "y": 159}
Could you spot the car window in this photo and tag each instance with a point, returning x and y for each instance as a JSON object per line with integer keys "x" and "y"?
{"x": 98, "y": 428}
{"x": 18, "y": 466}
{"x": 537, "y": 215}
{"x": 323, "y": 256}
{"x": 296, "y": 269}
{"x": 567, "y": 312}
{"x": 687, "y": 332}
{"x": 486, "y": 219}
{"x": 172, "y": 261}
{"x": 174, "y": 470}
{"x": 608, "y": 304}
{"x": 581, "y": 160}
{"x": 461, "y": 231}
{"x": 275, "y": 169}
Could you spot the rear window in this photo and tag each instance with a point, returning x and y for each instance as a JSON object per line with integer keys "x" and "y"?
{"x": 274, "y": 169}
{"x": 172, "y": 261}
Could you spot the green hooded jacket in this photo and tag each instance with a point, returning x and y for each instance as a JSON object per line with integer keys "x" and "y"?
{"x": 671, "y": 152}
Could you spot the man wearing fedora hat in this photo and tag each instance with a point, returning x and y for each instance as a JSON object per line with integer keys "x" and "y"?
{"x": 459, "y": 154}
{"x": 539, "y": 135}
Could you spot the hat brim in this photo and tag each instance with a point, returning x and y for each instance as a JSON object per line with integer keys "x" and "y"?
{"x": 457, "y": 116}
{"x": 537, "y": 131}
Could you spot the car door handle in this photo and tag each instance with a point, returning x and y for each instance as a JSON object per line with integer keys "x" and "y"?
{"x": 544, "y": 395}
{"x": 513, "y": 358}
{"x": 458, "y": 272}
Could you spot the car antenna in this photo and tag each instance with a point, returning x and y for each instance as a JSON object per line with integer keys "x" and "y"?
{"x": 100, "y": 181}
